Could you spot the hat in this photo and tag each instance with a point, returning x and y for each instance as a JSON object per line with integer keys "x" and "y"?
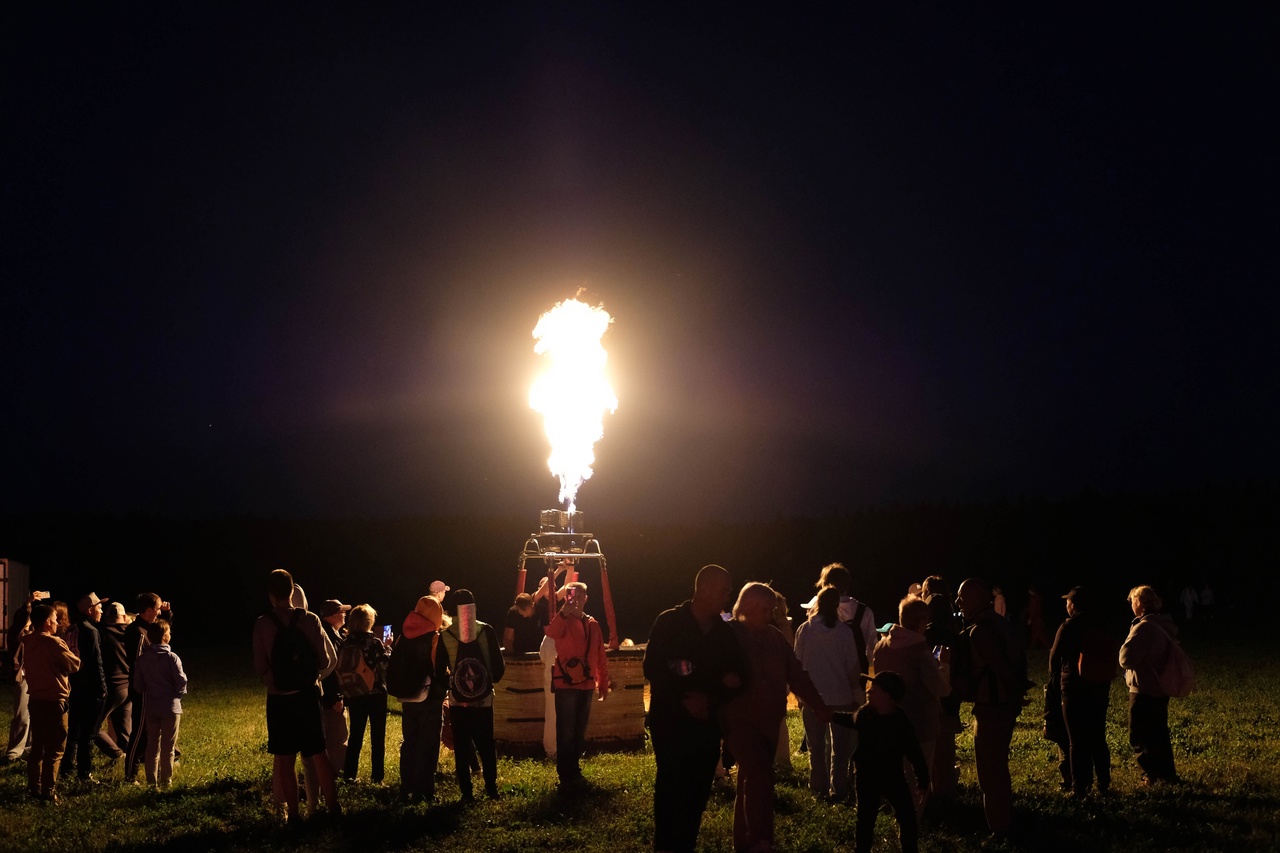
{"x": 87, "y": 601}
{"x": 331, "y": 606}
{"x": 113, "y": 612}
{"x": 1077, "y": 595}
{"x": 885, "y": 628}
{"x": 438, "y": 587}
{"x": 890, "y": 682}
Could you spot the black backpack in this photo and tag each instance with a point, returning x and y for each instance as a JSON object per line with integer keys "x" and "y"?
{"x": 859, "y": 638}
{"x": 469, "y": 664}
{"x": 293, "y": 659}
{"x": 409, "y": 670}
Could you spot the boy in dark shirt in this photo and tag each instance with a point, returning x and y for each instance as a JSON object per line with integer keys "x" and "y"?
{"x": 885, "y": 738}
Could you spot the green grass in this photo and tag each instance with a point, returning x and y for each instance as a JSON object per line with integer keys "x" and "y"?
{"x": 1225, "y": 744}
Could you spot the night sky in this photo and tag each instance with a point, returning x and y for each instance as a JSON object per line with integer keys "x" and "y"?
{"x": 288, "y": 260}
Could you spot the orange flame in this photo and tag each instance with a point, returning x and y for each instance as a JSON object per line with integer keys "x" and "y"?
{"x": 573, "y": 394}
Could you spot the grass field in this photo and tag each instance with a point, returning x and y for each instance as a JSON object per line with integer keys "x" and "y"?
{"x": 1225, "y": 740}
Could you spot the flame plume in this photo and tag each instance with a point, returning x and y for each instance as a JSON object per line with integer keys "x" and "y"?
{"x": 572, "y": 394}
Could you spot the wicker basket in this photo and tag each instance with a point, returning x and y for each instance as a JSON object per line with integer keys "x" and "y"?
{"x": 617, "y": 724}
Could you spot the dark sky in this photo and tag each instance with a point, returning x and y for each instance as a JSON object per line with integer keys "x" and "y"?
{"x": 288, "y": 260}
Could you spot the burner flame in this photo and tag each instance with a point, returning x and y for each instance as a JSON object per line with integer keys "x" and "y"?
{"x": 573, "y": 394}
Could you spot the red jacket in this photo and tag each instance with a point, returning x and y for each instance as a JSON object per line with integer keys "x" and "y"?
{"x": 580, "y": 659}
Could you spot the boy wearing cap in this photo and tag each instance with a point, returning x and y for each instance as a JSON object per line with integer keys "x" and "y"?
{"x": 885, "y": 739}
{"x": 88, "y": 691}
{"x": 333, "y": 614}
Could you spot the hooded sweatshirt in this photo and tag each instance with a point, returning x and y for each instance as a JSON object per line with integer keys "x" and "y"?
{"x": 907, "y": 653}
{"x": 420, "y": 638}
{"x": 1146, "y": 652}
{"x": 48, "y": 663}
{"x": 830, "y": 656}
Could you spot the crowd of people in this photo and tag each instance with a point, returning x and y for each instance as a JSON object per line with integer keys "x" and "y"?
{"x": 101, "y": 678}
{"x": 880, "y": 706}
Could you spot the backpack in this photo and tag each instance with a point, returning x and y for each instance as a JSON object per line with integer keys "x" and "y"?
{"x": 355, "y": 676}
{"x": 968, "y": 678}
{"x": 409, "y": 670}
{"x": 293, "y": 659}
{"x": 469, "y": 665}
{"x": 1177, "y": 677}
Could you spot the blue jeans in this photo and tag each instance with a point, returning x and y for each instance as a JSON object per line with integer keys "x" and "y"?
{"x": 573, "y": 710}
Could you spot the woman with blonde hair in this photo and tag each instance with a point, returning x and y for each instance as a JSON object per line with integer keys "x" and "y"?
{"x": 362, "y": 666}
{"x": 1144, "y": 655}
{"x": 751, "y": 720}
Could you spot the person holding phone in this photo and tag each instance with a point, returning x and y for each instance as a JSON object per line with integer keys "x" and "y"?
{"x": 580, "y": 669}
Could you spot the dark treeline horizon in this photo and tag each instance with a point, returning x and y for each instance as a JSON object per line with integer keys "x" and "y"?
{"x": 213, "y": 569}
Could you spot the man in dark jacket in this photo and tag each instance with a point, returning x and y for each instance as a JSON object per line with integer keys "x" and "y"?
{"x": 1083, "y": 662}
{"x": 115, "y": 666}
{"x": 693, "y": 663}
{"x": 150, "y": 609}
{"x": 88, "y": 690}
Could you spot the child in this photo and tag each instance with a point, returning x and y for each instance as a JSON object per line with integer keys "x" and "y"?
{"x": 158, "y": 676}
{"x": 885, "y": 738}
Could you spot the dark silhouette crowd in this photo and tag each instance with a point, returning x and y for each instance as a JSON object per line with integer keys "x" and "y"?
{"x": 880, "y": 705}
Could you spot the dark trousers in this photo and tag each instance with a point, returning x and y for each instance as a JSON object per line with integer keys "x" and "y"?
{"x": 573, "y": 711}
{"x": 83, "y": 718}
{"x": 1149, "y": 736}
{"x": 1084, "y": 708}
{"x": 420, "y": 750}
{"x": 48, "y": 738}
{"x": 473, "y": 736}
{"x": 871, "y": 791}
{"x": 371, "y": 709}
{"x": 119, "y": 711}
{"x": 992, "y": 734}
{"x": 135, "y": 752}
{"x": 685, "y": 753}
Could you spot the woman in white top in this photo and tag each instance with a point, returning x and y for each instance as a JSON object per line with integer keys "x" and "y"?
{"x": 828, "y": 652}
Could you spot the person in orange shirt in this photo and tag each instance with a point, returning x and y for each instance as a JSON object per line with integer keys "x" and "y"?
{"x": 580, "y": 669}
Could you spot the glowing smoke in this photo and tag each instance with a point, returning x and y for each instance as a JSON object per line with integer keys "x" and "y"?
{"x": 573, "y": 394}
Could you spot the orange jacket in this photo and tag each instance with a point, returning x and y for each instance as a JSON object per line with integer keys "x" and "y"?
{"x": 580, "y": 659}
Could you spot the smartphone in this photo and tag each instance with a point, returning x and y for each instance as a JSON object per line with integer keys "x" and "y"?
{"x": 41, "y": 595}
{"x": 386, "y": 633}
